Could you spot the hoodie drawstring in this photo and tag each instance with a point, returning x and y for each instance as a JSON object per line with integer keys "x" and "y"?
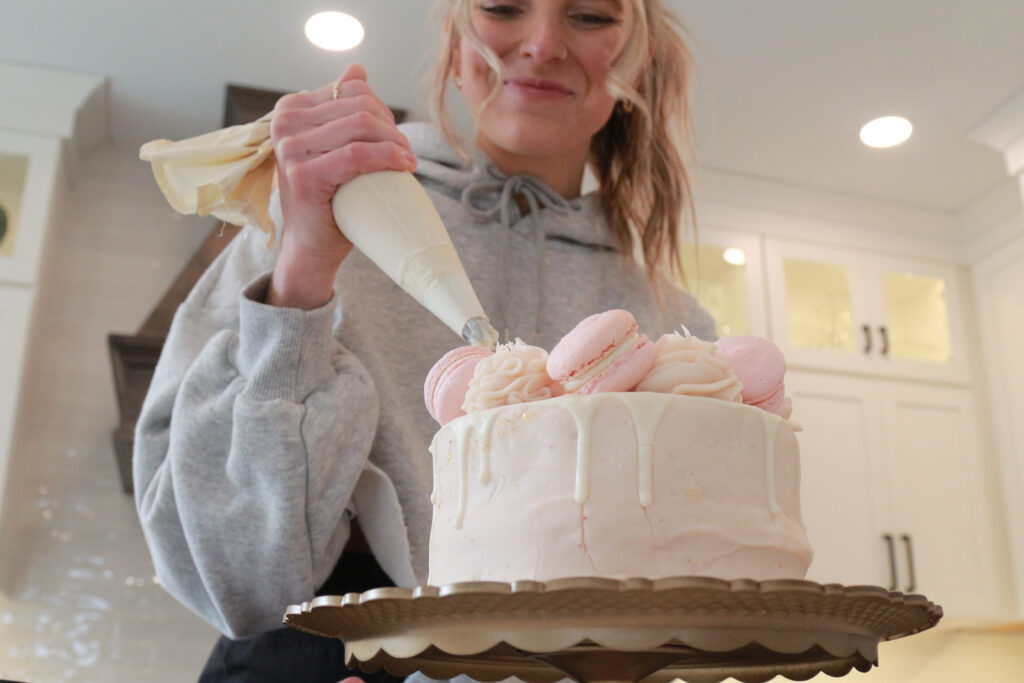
{"x": 537, "y": 196}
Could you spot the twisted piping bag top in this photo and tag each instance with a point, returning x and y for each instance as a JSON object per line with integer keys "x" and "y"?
{"x": 389, "y": 217}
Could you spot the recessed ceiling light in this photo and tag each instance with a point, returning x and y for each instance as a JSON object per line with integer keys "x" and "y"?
{"x": 734, "y": 256}
{"x": 334, "y": 31}
{"x": 887, "y": 131}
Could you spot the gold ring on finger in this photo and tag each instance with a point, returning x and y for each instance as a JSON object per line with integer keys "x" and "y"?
{"x": 336, "y": 89}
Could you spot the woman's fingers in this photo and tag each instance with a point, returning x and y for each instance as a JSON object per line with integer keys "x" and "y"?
{"x": 322, "y": 141}
{"x": 353, "y": 72}
{"x": 310, "y": 123}
{"x": 359, "y": 127}
{"x": 289, "y": 121}
{"x": 331, "y": 169}
{"x": 351, "y": 84}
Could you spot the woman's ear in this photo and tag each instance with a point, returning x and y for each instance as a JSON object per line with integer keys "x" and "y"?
{"x": 455, "y": 40}
{"x": 455, "y": 63}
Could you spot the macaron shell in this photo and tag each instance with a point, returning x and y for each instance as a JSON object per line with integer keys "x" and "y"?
{"x": 758, "y": 363}
{"x": 445, "y": 387}
{"x": 773, "y": 402}
{"x": 589, "y": 341}
{"x": 625, "y": 373}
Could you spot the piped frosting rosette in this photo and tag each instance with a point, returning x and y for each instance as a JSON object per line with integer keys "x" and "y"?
{"x": 688, "y": 366}
{"x": 514, "y": 373}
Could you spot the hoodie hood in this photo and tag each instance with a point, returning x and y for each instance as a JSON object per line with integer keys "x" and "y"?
{"x": 488, "y": 193}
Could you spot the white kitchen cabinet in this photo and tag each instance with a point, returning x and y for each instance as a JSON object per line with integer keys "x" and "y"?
{"x": 724, "y": 271}
{"x": 895, "y": 490}
{"x": 863, "y": 313}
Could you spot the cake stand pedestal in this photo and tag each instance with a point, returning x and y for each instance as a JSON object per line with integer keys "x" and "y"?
{"x": 596, "y": 630}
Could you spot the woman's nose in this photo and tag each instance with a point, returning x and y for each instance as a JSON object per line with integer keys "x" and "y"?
{"x": 545, "y": 40}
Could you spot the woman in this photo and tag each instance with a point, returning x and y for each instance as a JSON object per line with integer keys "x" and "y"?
{"x": 278, "y": 416}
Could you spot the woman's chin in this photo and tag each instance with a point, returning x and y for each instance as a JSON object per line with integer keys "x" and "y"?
{"x": 535, "y": 139}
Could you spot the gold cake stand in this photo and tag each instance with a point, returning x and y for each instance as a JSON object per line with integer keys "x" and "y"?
{"x": 700, "y": 630}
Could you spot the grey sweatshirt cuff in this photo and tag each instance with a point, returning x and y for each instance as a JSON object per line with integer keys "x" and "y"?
{"x": 283, "y": 353}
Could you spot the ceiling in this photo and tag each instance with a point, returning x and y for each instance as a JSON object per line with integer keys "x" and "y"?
{"x": 784, "y": 85}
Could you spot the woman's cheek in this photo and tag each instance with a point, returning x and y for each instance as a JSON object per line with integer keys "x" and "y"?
{"x": 493, "y": 36}
{"x": 612, "y": 51}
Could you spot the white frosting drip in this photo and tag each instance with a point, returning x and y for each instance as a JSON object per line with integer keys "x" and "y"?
{"x": 437, "y": 469}
{"x": 463, "y": 463}
{"x": 647, "y": 410}
{"x": 652, "y": 408}
{"x": 771, "y": 429}
{"x": 583, "y": 409}
{"x": 480, "y": 424}
{"x": 484, "y": 433}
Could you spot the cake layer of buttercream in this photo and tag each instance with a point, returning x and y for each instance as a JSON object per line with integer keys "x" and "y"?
{"x": 617, "y": 485}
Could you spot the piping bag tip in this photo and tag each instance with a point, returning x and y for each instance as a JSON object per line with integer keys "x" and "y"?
{"x": 478, "y": 331}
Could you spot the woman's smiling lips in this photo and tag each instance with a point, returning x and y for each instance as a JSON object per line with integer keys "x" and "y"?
{"x": 537, "y": 88}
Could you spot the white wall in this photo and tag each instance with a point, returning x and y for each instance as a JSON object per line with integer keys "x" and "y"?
{"x": 78, "y": 600}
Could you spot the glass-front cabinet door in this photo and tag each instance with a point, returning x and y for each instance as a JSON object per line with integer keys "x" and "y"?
{"x": 820, "y": 301}
{"x": 723, "y": 270}
{"x": 917, "y": 317}
{"x": 851, "y": 311}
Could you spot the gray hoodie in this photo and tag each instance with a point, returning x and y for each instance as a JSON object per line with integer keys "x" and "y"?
{"x": 266, "y": 429}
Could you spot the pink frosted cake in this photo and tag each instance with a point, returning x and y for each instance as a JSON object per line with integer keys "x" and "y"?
{"x": 673, "y": 476}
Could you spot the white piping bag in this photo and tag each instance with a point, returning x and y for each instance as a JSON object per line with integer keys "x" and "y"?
{"x": 389, "y": 217}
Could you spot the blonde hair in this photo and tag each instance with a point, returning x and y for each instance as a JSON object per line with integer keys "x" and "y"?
{"x": 643, "y": 155}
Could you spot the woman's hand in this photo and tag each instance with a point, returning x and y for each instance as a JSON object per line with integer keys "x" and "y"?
{"x": 320, "y": 143}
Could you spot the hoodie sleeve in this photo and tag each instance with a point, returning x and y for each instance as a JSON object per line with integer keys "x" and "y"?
{"x": 253, "y": 435}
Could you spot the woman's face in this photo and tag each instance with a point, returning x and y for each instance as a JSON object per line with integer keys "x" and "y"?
{"x": 557, "y": 55}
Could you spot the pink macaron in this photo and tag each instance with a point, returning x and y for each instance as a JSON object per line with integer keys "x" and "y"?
{"x": 605, "y": 352}
{"x": 445, "y": 388}
{"x": 760, "y": 367}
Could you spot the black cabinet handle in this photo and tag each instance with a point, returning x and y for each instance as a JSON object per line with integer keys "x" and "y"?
{"x": 867, "y": 338}
{"x": 884, "y": 333}
{"x": 912, "y": 586}
{"x": 893, "y": 581}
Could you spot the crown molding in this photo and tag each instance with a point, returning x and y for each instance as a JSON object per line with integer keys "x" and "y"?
{"x": 1003, "y": 131}
{"x": 43, "y": 101}
{"x": 778, "y": 208}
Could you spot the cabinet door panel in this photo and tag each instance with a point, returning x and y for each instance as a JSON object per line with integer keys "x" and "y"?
{"x": 820, "y": 304}
{"x": 938, "y": 493}
{"x": 839, "y": 488}
{"x": 917, "y": 318}
{"x": 920, "y": 320}
{"x": 724, "y": 273}
{"x": 818, "y": 301}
